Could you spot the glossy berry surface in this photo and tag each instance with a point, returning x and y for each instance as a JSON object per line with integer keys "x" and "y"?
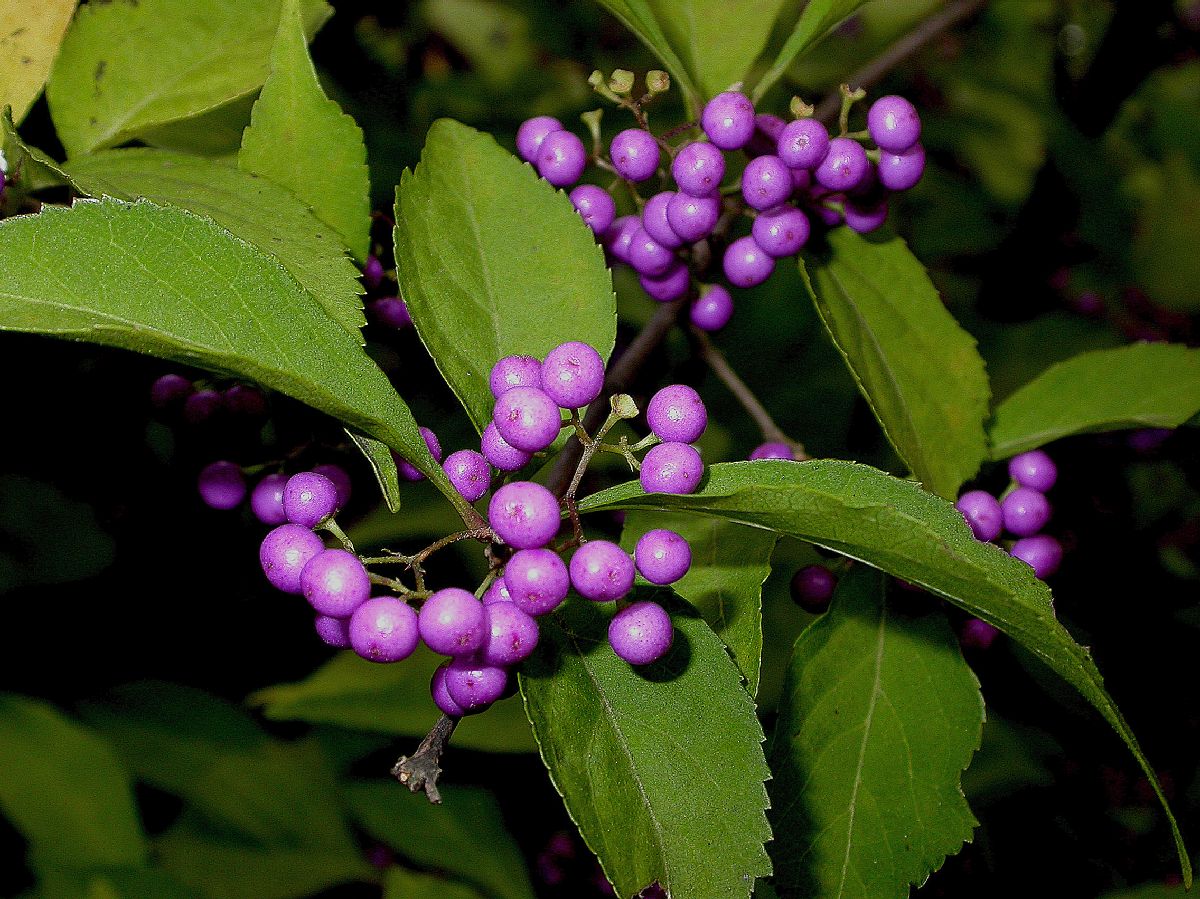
{"x": 983, "y": 514}
{"x": 670, "y": 285}
{"x": 595, "y": 205}
{"x": 803, "y": 144}
{"x": 384, "y": 629}
{"x": 893, "y": 124}
{"x": 512, "y": 634}
{"x": 635, "y": 154}
{"x": 693, "y": 218}
{"x": 781, "y": 231}
{"x": 452, "y": 622}
{"x": 372, "y": 274}
{"x": 865, "y": 218}
{"x": 676, "y": 413}
{"x": 712, "y": 310}
{"x": 773, "y": 450}
{"x": 496, "y": 592}
{"x": 391, "y": 312}
{"x": 221, "y": 485}
{"x": 441, "y": 697}
{"x": 618, "y": 237}
{"x": 572, "y": 375}
{"x": 407, "y": 470}
{"x": 473, "y": 686}
{"x": 1025, "y": 512}
{"x": 333, "y": 632}
{"x": 499, "y": 452}
{"x": 537, "y": 580}
{"x": 469, "y": 472}
{"x": 671, "y": 468}
{"x": 901, "y": 171}
{"x": 655, "y": 222}
{"x": 662, "y": 556}
{"x": 169, "y": 390}
{"x": 285, "y": 552}
{"x": 812, "y": 588}
{"x": 766, "y": 182}
{"x": 728, "y": 120}
{"x": 531, "y": 134}
{"x": 514, "y": 371}
{"x": 527, "y": 418}
{"x": 335, "y": 583}
{"x": 309, "y": 498}
{"x": 201, "y": 406}
{"x": 746, "y": 264}
{"x": 524, "y": 515}
{"x": 698, "y": 169}
{"x": 844, "y": 166}
{"x": 641, "y": 633}
{"x": 601, "y": 571}
{"x": 647, "y": 255}
{"x": 266, "y": 499}
{"x": 561, "y": 158}
{"x": 1041, "y": 552}
{"x": 1034, "y": 470}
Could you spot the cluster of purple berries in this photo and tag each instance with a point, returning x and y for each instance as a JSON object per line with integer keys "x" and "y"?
{"x": 174, "y": 393}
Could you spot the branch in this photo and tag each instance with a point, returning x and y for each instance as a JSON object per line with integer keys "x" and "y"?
{"x": 421, "y": 770}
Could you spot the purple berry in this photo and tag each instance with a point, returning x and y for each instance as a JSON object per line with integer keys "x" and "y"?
{"x": 572, "y": 375}
{"x": 1040, "y": 552}
{"x": 512, "y": 634}
{"x": 698, "y": 169}
{"x": 524, "y": 515}
{"x": 900, "y": 171}
{"x": 714, "y": 308}
{"x": 618, "y": 237}
{"x": 844, "y": 166}
{"x": 671, "y": 468}
{"x": 801, "y": 180}
{"x": 515, "y": 371}
{"x": 655, "y": 222}
{"x": 333, "y": 632}
{"x": 407, "y": 470}
{"x": 893, "y": 124}
{"x": 596, "y": 205}
{"x": 309, "y": 498}
{"x": 453, "y": 622}
{"x": 266, "y": 500}
{"x": 372, "y": 275}
{"x": 662, "y": 556}
{"x": 728, "y": 120}
{"x": 473, "y": 686}
{"x": 201, "y": 406}
{"x": 341, "y": 481}
{"x": 803, "y": 144}
{"x": 469, "y": 472}
{"x": 830, "y": 216}
{"x": 676, "y": 413}
{"x": 245, "y": 401}
{"x": 781, "y": 231}
{"x": 766, "y": 182}
{"x": 496, "y": 592}
{"x": 1025, "y": 512}
{"x": 561, "y": 158}
{"x": 169, "y": 390}
{"x": 692, "y": 217}
{"x": 221, "y": 485}
{"x": 634, "y": 154}
{"x": 977, "y": 634}
{"x": 648, "y": 256}
{"x": 527, "y": 418}
{"x": 285, "y": 552}
{"x": 812, "y": 588}
{"x": 335, "y": 583}
{"x": 441, "y": 698}
{"x": 531, "y": 134}
{"x": 746, "y": 264}
{"x": 670, "y": 285}
{"x": 865, "y": 218}
{"x": 767, "y": 128}
{"x": 641, "y": 633}
{"x": 391, "y": 312}
{"x": 601, "y": 571}
{"x": 384, "y": 629}
{"x": 983, "y": 514}
{"x": 503, "y": 455}
{"x": 537, "y": 580}
{"x": 1034, "y": 470}
{"x": 773, "y": 450}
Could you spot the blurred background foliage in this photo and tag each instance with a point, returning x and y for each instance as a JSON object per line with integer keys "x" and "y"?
{"x": 170, "y": 726}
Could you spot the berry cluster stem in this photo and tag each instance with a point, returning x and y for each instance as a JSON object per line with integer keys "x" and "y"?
{"x": 421, "y": 770}
{"x": 590, "y": 446}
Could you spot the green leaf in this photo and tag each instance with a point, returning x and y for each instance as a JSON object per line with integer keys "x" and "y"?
{"x": 391, "y": 699}
{"x": 108, "y": 883}
{"x": 162, "y": 281}
{"x": 252, "y": 208}
{"x": 1164, "y": 242}
{"x": 639, "y": 17}
{"x": 1145, "y": 385}
{"x": 896, "y": 526}
{"x": 401, "y": 884}
{"x": 879, "y": 718}
{"x": 302, "y": 140}
{"x": 380, "y": 458}
{"x": 918, "y": 369}
{"x": 30, "y": 167}
{"x": 464, "y": 836}
{"x": 818, "y": 19}
{"x": 30, "y": 34}
{"x": 65, "y": 790}
{"x": 216, "y": 134}
{"x": 661, "y": 767}
{"x": 729, "y": 564}
{"x": 483, "y": 280}
{"x": 134, "y": 65}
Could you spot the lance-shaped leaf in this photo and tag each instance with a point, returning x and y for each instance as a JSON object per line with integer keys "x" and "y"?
{"x": 896, "y": 526}
{"x": 166, "y": 282}
{"x": 30, "y": 34}
{"x": 493, "y": 261}
{"x": 383, "y": 464}
{"x": 1146, "y": 385}
{"x": 918, "y": 369}
{"x": 879, "y": 717}
{"x": 661, "y": 767}
{"x": 818, "y": 19}
{"x": 639, "y": 17}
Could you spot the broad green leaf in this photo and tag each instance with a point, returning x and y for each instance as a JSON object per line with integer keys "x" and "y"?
{"x": 64, "y": 790}
{"x": 401, "y": 884}
{"x": 464, "y": 836}
{"x": 918, "y": 369}
{"x": 29, "y": 169}
{"x": 216, "y": 134}
{"x": 493, "y": 261}
{"x": 134, "y": 65}
{"x": 1145, "y": 385}
{"x": 108, "y": 883}
{"x": 896, "y": 526}
{"x": 379, "y": 457}
{"x": 818, "y": 19}
{"x": 661, "y": 767}
{"x": 302, "y": 140}
{"x": 391, "y": 699}
{"x": 729, "y": 564}
{"x": 30, "y": 34}
{"x": 639, "y": 17}
{"x": 492, "y": 35}
{"x": 163, "y": 281}
{"x": 251, "y": 207}
{"x": 879, "y": 718}
{"x": 1164, "y": 257}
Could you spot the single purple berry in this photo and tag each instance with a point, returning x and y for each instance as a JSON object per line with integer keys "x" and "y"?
{"x": 407, "y": 470}
{"x": 515, "y": 371}
{"x": 844, "y": 166}
{"x": 512, "y": 635}
{"x": 693, "y": 218}
{"x": 746, "y": 264}
{"x": 221, "y": 485}
{"x": 983, "y": 514}
{"x": 502, "y": 454}
{"x": 773, "y": 450}
{"x": 441, "y": 698}
{"x": 595, "y": 205}
{"x": 977, "y": 634}
{"x": 285, "y": 552}
{"x": 801, "y": 181}
{"x": 812, "y": 588}
{"x": 1146, "y": 440}
{"x": 531, "y": 134}
{"x": 893, "y": 124}
{"x": 341, "y": 481}
{"x": 766, "y": 182}
{"x": 169, "y": 390}
{"x": 266, "y": 500}
{"x": 496, "y": 592}
{"x": 201, "y": 406}
{"x": 670, "y": 285}
{"x": 655, "y": 222}
{"x": 671, "y": 468}
{"x": 900, "y": 171}
{"x": 677, "y": 414}
{"x": 333, "y": 632}
{"x": 728, "y": 120}
{"x": 767, "y": 128}
{"x": 473, "y": 686}
{"x": 1034, "y": 470}
{"x": 1025, "y": 512}
{"x": 469, "y": 472}
{"x": 245, "y": 401}
{"x": 620, "y": 235}
{"x": 634, "y": 154}
{"x": 391, "y": 312}
{"x": 781, "y": 231}
{"x": 335, "y": 583}
{"x": 865, "y": 218}
{"x": 803, "y": 144}
{"x": 309, "y": 498}
{"x": 573, "y": 375}
{"x": 372, "y": 275}
{"x": 384, "y": 629}
{"x": 527, "y": 418}
{"x": 524, "y": 515}
{"x": 648, "y": 256}
{"x": 662, "y": 556}
{"x": 453, "y": 622}
{"x": 537, "y": 580}
{"x": 601, "y": 571}
{"x": 714, "y": 308}
{"x": 830, "y": 216}
{"x": 698, "y": 169}
{"x": 561, "y": 158}
{"x": 641, "y": 633}
{"x": 1041, "y": 552}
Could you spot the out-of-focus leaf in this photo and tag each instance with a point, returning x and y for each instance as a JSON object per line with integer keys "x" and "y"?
{"x": 1164, "y": 245}
{"x": 818, "y": 19}
{"x": 30, "y": 34}
{"x": 33, "y": 517}
{"x": 492, "y": 35}
{"x": 401, "y": 884}
{"x": 380, "y": 458}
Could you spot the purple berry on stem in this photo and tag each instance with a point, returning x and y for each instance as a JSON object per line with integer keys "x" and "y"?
{"x": 496, "y": 592}
{"x": 266, "y": 500}
{"x": 635, "y": 154}
{"x": 309, "y": 499}
{"x": 662, "y": 556}
{"x": 901, "y": 171}
{"x": 531, "y": 134}
{"x": 620, "y": 235}
{"x": 474, "y": 686}
{"x": 655, "y": 222}
{"x": 524, "y": 515}
{"x": 391, "y": 312}
{"x": 641, "y": 633}
{"x": 341, "y": 481}
{"x": 728, "y": 120}
{"x": 407, "y": 470}
{"x": 515, "y": 371}
{"x": 766, "y": 182}
{"x": 698, "y": 169}
{"x": 441, "y": 698}
{"x": 169, "y": 390}
{"x": 245, "y": 401}
{"x": 572, "y": 375}
{"x": 595, "y": 205}
{"x": 773, "y": 449}
{"x": 893, "y": 124}
{"x": 746, "y": 264}
{"x": 527, "y": 418}
{"x": 691, "y": 217}
{"x": 221, "y": 485}
{"x": 844, "y": 166}
{"x": 978, "y": 634}
{"x": 677, "y": 414}
{"x": 648, "y": 256}
{"x": 712, "y": 311}
{"x": 781, "y": 231}
{"x": 537, "y": 580}
{"x": 812, "y": 588}
{"x": 1025, "y": 512}
{"x": 384, "y": 629}
{"x": 670, "y": 285}
{"x": 561, "y": 158}
{"x": 372, "y": 275}
{"x": 201, "y": 406}
{"x": 512, "y": 635}
{"x": 671, "y": 468}
{"x": 601, "y": 571}
{"x": 1034, "y": 470}
{"x": 333, "y": 632}
{"x": 803, "y": 144}
{"x": 503, "y": 455}
{"x": 285, "y": 552}
{"x": 865, "y": 218}
{"x": 1041, "y": 552}
{"x": 452, "y": 622}
{"x": 335, "y": 583}
{"x": 983, "y": 514}
{"x": 469, "y": 472}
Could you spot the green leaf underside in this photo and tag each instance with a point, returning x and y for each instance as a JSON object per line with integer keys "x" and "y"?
{"x": 896, "y": 526}
{"x": 250, "y": 207}
{"x": 163, "y": 281}
{"x": 302, "y": 140}
{"x": 65, "y": 791}
{"x": 662, "y": 767}
{"x": 401, "y": 884}
{"x": 818, "y": 19}
{"x": 493, "y": 261}
{"x": 393, "y": 699}
{"x": 1145, "y": 385}
{"x": 383, "y": 464}
{"x": 879, "y": 717}
{"x": 729, "y": 564}
{"x": 919, "y": 371}
{"x": 638, "y": 16}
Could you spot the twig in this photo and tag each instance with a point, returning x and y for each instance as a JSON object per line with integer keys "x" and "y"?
{"x": 420, "y": 771}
